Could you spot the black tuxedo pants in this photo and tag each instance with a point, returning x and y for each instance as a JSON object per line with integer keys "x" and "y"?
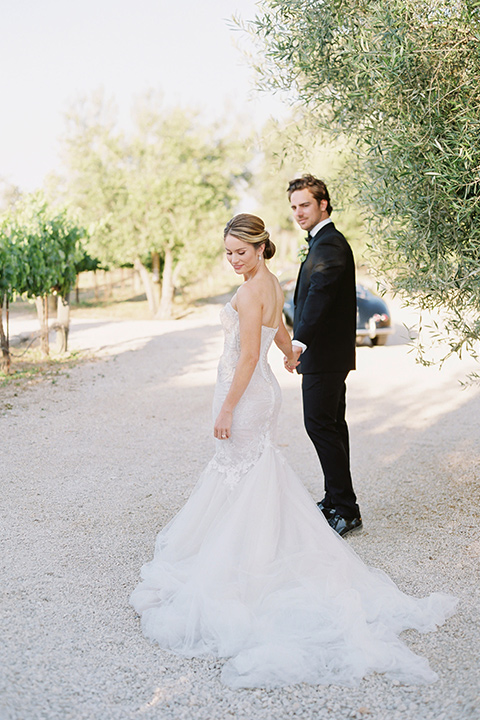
{"x": 324, "y": 417}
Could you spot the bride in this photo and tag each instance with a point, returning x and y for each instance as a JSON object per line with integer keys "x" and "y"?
{"x": 249, "y": 569}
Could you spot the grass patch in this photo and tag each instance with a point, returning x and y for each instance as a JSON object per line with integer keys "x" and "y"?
{"x": 31, "y": 367}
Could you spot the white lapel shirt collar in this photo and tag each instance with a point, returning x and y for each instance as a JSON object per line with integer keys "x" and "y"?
{"x": 319, "y": 226}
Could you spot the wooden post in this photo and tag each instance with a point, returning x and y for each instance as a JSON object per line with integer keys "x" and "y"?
{"x": 63, "y": 323}
{"x": 4, "y": 337}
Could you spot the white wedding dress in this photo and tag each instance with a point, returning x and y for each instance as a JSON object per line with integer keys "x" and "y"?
{"x": 250, "y": 570}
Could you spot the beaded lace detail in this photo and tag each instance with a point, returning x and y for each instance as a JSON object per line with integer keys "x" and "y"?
{"x": 255, "y": 416}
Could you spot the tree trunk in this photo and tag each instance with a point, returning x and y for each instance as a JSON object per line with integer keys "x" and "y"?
{"x": 165, "y": 310}
{"x": 63, "y": 323}
{"x": 136, "y": 282}
{"x": 52, "y": 301}
{"x": 4, "y": 338}
{"x": 42, "y": 312}
{"x": 156, "y": 267}
{"x": 147, "y": 284}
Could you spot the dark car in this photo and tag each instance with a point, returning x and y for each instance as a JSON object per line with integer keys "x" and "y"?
{"x": 373, "y": 316}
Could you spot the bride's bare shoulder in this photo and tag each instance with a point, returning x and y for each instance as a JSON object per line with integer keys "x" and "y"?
{"x": 248, "y": 294}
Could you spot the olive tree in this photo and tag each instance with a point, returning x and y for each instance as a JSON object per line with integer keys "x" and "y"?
{"x": 286, "y": 149}
{"x": 403, "y": 79}
{"x": 159, "y": 195}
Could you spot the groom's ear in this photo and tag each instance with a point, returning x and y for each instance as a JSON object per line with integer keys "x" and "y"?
{"x": 323, "y": 205}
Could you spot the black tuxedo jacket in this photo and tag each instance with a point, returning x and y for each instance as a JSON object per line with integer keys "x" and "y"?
{"x": 325, "y": 306}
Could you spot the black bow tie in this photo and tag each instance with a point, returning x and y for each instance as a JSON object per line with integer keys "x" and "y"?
{"x": 308, "y": 238}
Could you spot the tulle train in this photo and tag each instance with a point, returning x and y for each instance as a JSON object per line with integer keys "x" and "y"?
{"x": 254, "y": 573}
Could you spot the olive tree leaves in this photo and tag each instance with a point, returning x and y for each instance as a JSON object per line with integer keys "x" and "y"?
{"x": 403, "y": 79}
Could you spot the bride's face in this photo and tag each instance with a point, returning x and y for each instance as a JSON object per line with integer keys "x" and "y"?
{"x": 242, "y": 256}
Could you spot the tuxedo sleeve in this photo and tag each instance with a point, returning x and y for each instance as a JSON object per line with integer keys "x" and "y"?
{"x": 329, "y": 265}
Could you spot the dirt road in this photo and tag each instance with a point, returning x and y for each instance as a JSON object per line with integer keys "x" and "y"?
{"x": 95, "y": 462}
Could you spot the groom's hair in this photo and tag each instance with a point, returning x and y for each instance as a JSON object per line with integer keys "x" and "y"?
{"x": 317, "y": 188}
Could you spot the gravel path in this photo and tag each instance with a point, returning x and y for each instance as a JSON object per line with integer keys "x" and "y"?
{"x": 95, "y": 462}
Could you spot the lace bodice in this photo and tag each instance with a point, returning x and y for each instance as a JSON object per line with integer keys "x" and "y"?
{"x": 231, "y": 350}
{"x": 255, "y": 416}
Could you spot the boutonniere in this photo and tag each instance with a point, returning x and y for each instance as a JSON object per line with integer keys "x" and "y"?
{"x": 303, "y": 252}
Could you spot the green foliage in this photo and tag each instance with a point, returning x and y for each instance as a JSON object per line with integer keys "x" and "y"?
{"x": 403, "y": 78}
{"x": 39, "y": 249}
{"x": 87, "y": 263}
{"x": 289, "y": 149}
{"x": 168, "y": 186}
{"x": 10, "y": 263}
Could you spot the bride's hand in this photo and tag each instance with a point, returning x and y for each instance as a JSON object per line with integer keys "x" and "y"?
{"x": 223, "y": 425}
{"x": 291, "y": 361}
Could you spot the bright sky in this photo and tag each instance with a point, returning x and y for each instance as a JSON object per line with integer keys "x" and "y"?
{"x": 54, "y": 51}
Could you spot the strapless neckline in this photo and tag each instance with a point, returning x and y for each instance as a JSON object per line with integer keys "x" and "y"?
{"x": 267, "y": 327}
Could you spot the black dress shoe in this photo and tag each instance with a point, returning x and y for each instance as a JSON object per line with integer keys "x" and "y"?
{"x": 343, "y": 526}
{"x": 327, "y": 511}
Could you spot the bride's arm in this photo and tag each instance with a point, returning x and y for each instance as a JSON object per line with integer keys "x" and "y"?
{"x": 249, "y": 310}
{"x": 283, "y": 340}
{"x": 284, "y": 343}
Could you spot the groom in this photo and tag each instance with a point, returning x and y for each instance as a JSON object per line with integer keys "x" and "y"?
{"x": 324, "y": 331}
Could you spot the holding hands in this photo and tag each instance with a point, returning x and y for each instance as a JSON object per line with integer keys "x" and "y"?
{"x": 291, "y": 361}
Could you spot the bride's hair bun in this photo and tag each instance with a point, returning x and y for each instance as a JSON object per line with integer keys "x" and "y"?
{"x": 270, "y": 249}
{"x": 250, "y": 229}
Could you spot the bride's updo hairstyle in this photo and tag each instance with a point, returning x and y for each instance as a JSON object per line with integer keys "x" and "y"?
{"x": 250, "y": 229}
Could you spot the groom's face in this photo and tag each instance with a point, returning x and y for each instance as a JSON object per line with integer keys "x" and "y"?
{"x": 307, "y": 211}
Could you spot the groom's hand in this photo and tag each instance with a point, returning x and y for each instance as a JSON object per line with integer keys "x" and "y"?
{"x": 292, "y": 361}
